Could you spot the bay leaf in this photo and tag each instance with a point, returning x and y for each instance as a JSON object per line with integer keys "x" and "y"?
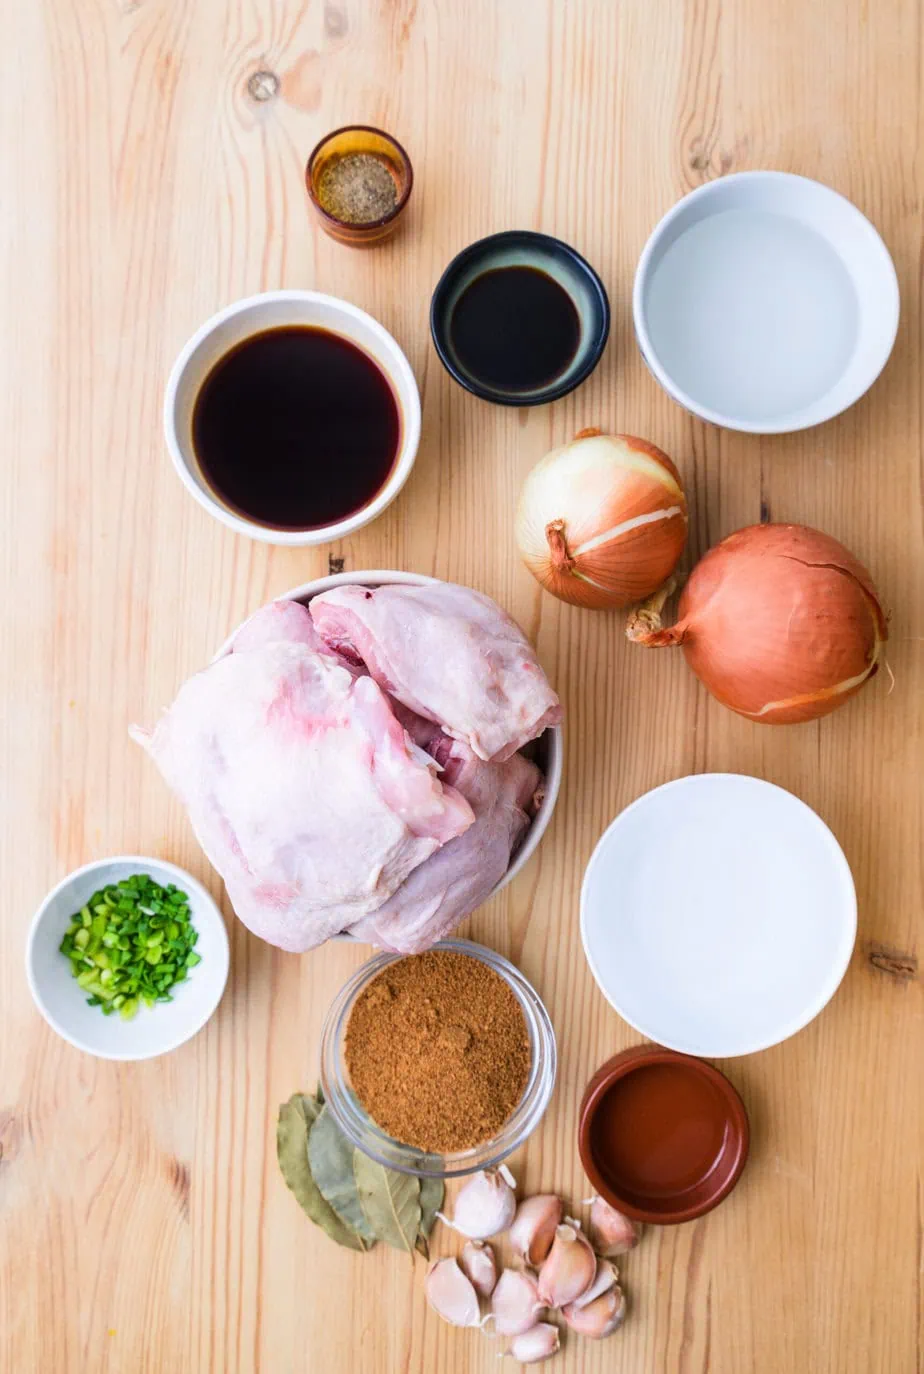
{"x": 390, "y": 1201}
{"x": 309, "y": 1106}
{"x": 296, "y": 1118}
{"x": 330, "y": 1156}
{"x": 432, "y": 1193}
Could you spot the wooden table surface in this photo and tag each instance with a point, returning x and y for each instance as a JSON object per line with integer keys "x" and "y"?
{"x": 143, "y": 1223}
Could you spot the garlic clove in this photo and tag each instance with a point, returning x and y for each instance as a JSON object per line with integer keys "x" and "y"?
{"x": 613, "y": 1233}
{"x": 485, "y": 1206}
{"x": 515, "y": 1303}
{"x": 569, "y": 1269}
{"x": 450, "y": 1294}
{"x": 606, "y": 1277}
{"x": 479, "y": 1266}
{"x": 533, "y": 1228}
{"x": 540, "y": 1342}
{"x": 600, "y": 1317}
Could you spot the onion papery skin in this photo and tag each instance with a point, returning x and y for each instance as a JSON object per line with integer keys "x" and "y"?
{"x": 780, "y": 622}
{"x": 602, "y": 520}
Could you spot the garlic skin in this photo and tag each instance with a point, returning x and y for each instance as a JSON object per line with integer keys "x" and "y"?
{"x": 479, "y": 1266}
{"x": 533, "y": 1228}
{"x": 569, "y": 1269}
{"x": 599, "y": 1318}
{"x": 539, "y": 1343}
{"x": 515, "y": 1303}
{"x": 485, "y": 1206}
{"x": 613, "y": 1233}
{"x": 451, "y": 1295}
{"x": 606, "y": 1277}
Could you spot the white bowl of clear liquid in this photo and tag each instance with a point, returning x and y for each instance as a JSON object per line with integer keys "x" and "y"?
{"x": 765, "y": 302}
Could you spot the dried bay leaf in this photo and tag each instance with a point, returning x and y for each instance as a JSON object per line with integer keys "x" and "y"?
{"x": 310, "y": 1108}
{"x": 432, "y": 1193}
{"x": 296, "y": 1119}
{"x": 390, "y": 1201}
{"x": 330, "y": 1157}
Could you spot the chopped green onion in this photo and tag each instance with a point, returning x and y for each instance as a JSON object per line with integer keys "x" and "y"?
{"x": 130, "y": 944}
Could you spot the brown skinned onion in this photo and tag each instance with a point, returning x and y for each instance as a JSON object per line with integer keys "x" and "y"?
{"x": 780, "y": 622}
{"x": 602, "y": 520}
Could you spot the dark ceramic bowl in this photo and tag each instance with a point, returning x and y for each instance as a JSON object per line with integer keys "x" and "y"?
{"x": 523, "y": 248}
{"x": 663, "y": 1137}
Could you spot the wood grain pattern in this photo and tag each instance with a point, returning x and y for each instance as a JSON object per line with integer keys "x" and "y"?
{"x": 144, "y": 1225}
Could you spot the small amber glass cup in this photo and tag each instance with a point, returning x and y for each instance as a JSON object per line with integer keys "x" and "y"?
{"x": 359, "y": 1127}
{"x": 360, "y": 138}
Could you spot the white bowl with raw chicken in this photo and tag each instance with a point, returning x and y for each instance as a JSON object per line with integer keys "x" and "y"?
{"x": 373, "y": 754}
{"x": 549, "y": 750}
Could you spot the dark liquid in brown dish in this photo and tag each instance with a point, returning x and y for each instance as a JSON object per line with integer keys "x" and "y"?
{"x": 296, "y": 428}
{"x": 515, "y": 329}
{"x": 659, "y": 1131}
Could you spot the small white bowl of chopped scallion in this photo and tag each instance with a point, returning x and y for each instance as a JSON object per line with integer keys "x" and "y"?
{"x": 127, "y": 958}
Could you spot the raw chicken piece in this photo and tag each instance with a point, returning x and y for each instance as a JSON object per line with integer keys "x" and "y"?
{"x": 279, "y": 622}
{"x": 449, "y": 654}
{"x": 303, "y": 789}
{"x": 287, "y": 622}
{"x": 426, "y": 734}
{"x": 457, "y": 879}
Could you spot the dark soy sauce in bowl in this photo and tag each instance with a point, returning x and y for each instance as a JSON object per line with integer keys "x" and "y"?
{"x": 515, "y": 329}
{"x": 519, "y": 318}
{"x": 296, "y": 428}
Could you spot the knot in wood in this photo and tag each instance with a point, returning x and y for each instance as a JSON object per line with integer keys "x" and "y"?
{"x": 263, "y": 85}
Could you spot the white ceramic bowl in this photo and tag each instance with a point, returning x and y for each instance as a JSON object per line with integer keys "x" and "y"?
{"x": 272, "y": 310}
{"x": 718, "y": 914}
{"x": 765, "y": 302}
{"x": 153, "y": 1030}
{"x": 550, "y": 751}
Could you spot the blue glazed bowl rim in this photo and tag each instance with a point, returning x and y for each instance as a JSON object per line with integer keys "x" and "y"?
{"x": 542, "y": 245}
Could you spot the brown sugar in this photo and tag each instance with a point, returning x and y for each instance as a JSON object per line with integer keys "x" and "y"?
{"x": 437, "y": 1051}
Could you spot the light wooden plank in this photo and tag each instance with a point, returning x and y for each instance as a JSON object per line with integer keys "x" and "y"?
{"x": 144, "y": 1226}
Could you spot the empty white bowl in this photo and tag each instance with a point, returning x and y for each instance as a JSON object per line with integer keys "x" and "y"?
{"x": 153, "y": 1030}
{"x": 765, "y": 302}
{"x": 718, "y": 914}
{"x": 550, "y": 754}
{"x": 274, "y": 310}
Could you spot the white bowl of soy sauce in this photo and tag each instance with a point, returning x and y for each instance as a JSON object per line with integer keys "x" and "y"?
{"x": 519, "y": 318}
{"x": 292, "y": 417}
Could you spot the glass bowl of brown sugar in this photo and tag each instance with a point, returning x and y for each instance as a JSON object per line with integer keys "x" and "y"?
{"x": 438, "y": 1064}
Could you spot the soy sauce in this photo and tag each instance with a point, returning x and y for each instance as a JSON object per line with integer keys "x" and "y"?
{"x": 515, "y": 328}
{"x": 296, "y": 428}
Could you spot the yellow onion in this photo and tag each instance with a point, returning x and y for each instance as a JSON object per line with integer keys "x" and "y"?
{"x": 602, "y": 520}
{"x": 779, "y": 622}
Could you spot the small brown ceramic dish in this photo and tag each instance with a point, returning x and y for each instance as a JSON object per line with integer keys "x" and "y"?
{"x": 663, "y": 1136}
{"x": 360, "y": 138}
